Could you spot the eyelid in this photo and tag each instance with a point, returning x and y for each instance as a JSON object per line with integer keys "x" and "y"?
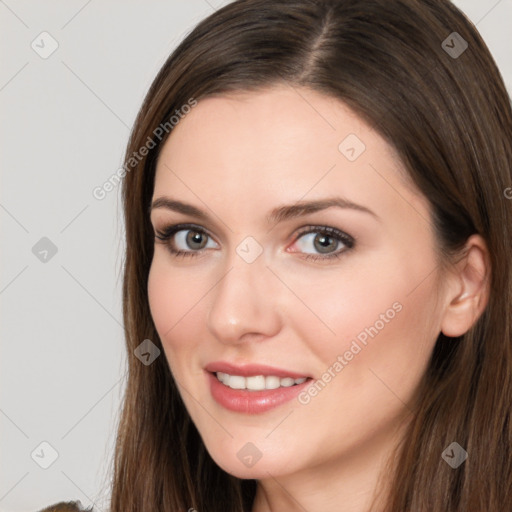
{"x": 338, "y": 233}
{"x": 170, "y": 230}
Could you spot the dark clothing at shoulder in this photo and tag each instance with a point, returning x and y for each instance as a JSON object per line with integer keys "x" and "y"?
{"x": 66, "y": 506}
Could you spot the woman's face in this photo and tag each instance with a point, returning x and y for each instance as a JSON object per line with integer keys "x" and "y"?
{"x": 346, "y": 296}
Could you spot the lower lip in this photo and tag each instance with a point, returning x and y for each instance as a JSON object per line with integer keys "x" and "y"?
{"x": 252, "y": 402}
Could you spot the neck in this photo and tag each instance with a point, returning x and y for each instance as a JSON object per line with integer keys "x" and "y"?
{"x": 360, "y": 481}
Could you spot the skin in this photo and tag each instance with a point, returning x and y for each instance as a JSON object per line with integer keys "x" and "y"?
{"x": 237, "y": 157}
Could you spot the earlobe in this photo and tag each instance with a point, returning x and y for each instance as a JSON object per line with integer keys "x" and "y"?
{"x": 469, "y": 294}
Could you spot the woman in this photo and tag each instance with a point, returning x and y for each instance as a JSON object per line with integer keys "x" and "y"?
{"x": 318, "y": 280}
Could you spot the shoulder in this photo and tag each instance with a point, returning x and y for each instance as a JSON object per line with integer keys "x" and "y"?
{"x": 66, "y": 506}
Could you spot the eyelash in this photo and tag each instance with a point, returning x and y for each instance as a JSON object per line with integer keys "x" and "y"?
{"x": 338, "y": 235}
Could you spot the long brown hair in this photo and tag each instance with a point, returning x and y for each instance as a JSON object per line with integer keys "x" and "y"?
{"x": 444, "y": 108}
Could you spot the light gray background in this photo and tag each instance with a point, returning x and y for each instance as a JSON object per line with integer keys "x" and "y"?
{"x": 65, "y": 124}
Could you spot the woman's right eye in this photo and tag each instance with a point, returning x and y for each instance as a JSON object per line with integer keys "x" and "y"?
{"x": 184, "y": 240}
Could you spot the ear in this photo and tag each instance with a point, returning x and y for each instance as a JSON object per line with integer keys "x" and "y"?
{"x": 468, "y": 289}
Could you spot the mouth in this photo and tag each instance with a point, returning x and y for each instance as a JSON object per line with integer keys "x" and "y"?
{"x": 253, "y": 389}
{"x": 258, "y": 382}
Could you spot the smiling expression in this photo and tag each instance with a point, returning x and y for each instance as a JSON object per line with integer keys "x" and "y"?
{"x": 263, "y": 278}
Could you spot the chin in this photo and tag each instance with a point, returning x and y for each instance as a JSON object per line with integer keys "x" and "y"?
{"x": 248, "y": 462}
{"x": 258, "y": 472}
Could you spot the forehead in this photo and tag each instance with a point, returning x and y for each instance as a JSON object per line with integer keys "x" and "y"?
{"x": 280, "y": 118}
{"x": 277, "y": 145}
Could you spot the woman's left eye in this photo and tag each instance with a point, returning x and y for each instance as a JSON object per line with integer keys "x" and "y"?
{"x": 326, "y": 241}
{"x": 191, "y": 240}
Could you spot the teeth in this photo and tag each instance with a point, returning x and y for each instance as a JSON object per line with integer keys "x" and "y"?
{"x": 257, "y": 382}
{"x": 235, "y": 381}
{"x": 272, "y": 382}
{"x": 287, "y": 382}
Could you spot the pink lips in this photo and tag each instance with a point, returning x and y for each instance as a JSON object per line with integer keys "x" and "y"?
{"x": 249, "y": 370}
{"x": 247, "y": 401}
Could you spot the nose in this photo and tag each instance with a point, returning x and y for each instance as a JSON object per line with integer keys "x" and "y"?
{"x": 243, "y": 303}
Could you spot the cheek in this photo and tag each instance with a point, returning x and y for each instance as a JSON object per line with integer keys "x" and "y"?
{"x": 160, "y": 300}
{"x": 372, "y": 366}
{"x": 177, "y": 300}
{"x": 339, "y": 305}
{"x": 170, "y": 299}
{"x": 376, "y": 319}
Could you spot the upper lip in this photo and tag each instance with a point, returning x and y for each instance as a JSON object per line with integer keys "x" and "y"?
{"x": 250, "y": 370}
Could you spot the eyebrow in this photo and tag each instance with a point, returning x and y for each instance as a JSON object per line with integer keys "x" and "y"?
{"x": 278, "y": 214}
